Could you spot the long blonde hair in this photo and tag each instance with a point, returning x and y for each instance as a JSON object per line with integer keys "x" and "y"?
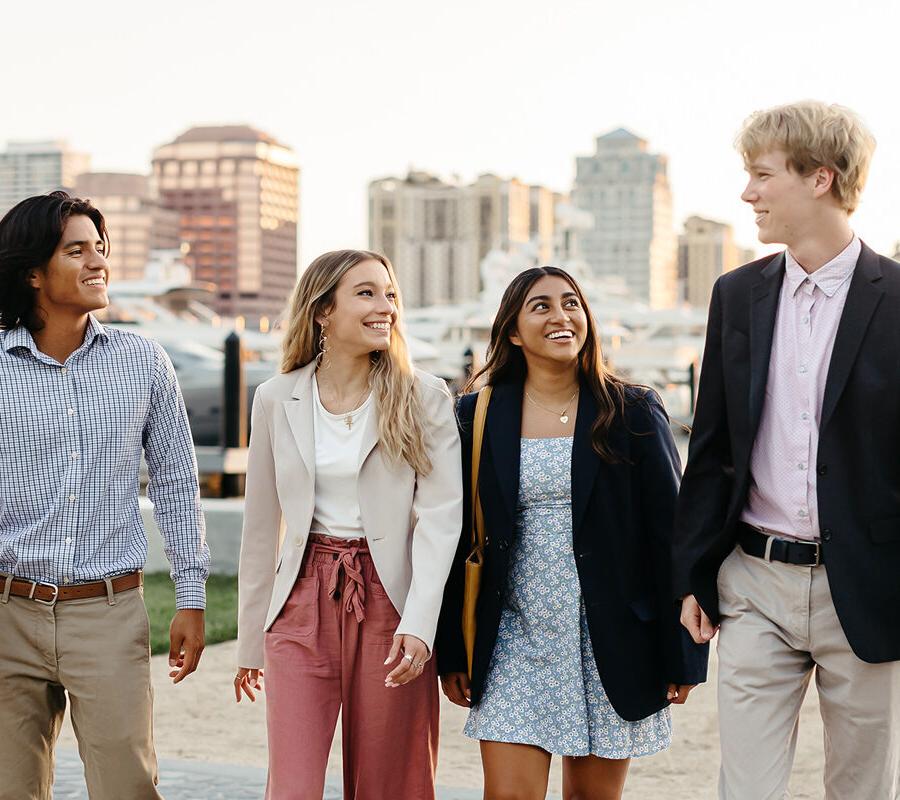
{"x": 392, "y": 378}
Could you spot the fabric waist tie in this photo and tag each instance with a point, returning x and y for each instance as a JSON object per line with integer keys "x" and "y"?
{"x": 346, "y": 552}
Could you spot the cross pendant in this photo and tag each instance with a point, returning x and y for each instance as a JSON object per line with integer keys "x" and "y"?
{"x": 348, "y": 421}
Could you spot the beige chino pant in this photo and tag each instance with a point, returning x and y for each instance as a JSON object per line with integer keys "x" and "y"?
{"x": 779, "y": 627}
{"x": 99, "y": 655}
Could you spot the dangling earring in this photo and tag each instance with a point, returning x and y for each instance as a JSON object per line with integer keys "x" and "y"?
{"x": 323, "y": 340}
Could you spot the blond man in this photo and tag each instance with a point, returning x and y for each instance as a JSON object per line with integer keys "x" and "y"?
{"x": 788, "y": 523}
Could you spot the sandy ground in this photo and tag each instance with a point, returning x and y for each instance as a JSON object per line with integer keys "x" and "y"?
{"x": 198, "y": 719}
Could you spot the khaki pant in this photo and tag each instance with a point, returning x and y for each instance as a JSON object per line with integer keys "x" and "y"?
{"x": 98, "y": 653}
{"x": 779, "y": 627}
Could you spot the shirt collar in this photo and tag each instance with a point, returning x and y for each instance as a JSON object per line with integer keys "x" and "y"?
{"x": 829, "y": 277}
{"x": 20, "y": 337}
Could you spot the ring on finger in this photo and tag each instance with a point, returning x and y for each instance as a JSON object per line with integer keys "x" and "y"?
{"x": 408, "y": 657}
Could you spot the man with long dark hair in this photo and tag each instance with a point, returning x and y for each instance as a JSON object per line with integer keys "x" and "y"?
{"x": 80, "y": 404}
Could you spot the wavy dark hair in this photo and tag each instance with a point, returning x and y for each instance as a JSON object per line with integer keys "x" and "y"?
{"x": 30, "y": 232}
{"x": 505, "y": 361}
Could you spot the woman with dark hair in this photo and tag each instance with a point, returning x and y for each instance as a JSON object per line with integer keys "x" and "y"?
{"x": 578, "y": 650}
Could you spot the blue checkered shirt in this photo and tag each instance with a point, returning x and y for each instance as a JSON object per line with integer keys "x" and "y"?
{"x": 71, "y": 437}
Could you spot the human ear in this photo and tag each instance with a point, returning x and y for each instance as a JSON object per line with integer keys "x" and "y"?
{"x": 824, "y": 180}
{"x": 34, "y": 279}
{"x": 515, "y": 338}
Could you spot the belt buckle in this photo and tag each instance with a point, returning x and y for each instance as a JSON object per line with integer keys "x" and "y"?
{"x": 818, "y": 547}
{"x": 52, "y": 600}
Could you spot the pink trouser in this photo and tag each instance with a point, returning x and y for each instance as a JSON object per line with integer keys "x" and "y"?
{"x": 325, "y": 653}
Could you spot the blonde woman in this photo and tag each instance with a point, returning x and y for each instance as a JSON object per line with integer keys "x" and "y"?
{"x": 353, "y": 513}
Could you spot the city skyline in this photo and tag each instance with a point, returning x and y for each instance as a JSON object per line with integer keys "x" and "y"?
{"x": 361, "y": 92}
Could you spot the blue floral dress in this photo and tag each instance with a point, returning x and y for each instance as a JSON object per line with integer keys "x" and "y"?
{"x": 542, "y": 687}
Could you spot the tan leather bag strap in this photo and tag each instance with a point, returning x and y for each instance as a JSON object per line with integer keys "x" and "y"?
{"x": 481, "y": 407}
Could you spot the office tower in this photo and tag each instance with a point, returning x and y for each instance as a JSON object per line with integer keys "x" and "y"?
{"x": 626, "y": 189}
{"x": 31, "y": 168}
{"x": 436, "y": 233}
{"x": 706, "y": 250}
{"x": 136, "y": 221}
{"x": 236, "y": 191}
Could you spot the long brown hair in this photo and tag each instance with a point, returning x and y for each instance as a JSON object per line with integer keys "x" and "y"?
{"x": 506, "y": 362}
{"x": 400, "y": 415}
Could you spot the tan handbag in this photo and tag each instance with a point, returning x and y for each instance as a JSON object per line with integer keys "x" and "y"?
{"x": 475, "y": 560}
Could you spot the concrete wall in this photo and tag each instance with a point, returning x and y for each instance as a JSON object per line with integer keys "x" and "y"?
{"x": 224, "y": 519}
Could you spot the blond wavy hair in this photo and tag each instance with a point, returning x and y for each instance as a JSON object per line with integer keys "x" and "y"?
{"x": 392, "y": 378}
{"x": 814, "y": 135}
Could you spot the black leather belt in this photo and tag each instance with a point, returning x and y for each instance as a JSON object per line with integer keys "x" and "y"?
{"x": 762, "y": 545}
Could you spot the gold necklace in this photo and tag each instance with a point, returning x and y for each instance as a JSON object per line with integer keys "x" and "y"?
{"x": 563, "y": 415}
{"x": 348, "y": 417}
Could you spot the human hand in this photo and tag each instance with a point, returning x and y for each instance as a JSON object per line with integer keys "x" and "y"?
{"x": 246, "y": 681}
{"x": 457, "y": 688}
{"x": 415, "y": 654}
{"x": 695, "y": 620}
{"x": 186, "y": 639}
{"x": 677, "y": 693}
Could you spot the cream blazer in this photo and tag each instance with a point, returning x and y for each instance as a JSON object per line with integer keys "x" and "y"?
{"x": 412, "y": 522}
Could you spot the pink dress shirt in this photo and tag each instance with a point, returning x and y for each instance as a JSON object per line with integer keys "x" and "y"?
{"x": 782, "y": 496}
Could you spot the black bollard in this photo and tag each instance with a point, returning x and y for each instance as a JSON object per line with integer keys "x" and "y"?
{"x": 234, "y": 417}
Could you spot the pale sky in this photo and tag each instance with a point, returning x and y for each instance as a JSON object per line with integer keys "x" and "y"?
{"x": 366, "y": 89}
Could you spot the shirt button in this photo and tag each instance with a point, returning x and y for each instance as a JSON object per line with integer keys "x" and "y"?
{"x": 801, "y": 466}
{"x": 68, "y": 540}
{"x": 74, "y": 455}
{"x": 806, "y": 320}
{"x": 66, "y": 579}
{"x": 65, "y": 370}
{"x": 805, "y": 415}
{"x": 802, "y": 368}
{"x": 72, "y": 498}
{"x": 802, "y": 513}
{"x": 71, "y": 411}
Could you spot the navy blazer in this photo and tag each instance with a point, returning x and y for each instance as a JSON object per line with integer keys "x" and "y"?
{"x": 858, "y": 468}
{"x": 621, "y": 531}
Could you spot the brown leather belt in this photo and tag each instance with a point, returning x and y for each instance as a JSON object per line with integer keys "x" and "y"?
{"x": 50, "y": 593}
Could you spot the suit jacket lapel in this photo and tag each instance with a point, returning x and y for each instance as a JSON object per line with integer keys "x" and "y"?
{"x": 763, "y": 309}
{"x": 585, "y": 461}
{"x": 503, "y": 431}
{"x": 299, "y": 412}
{"x": 862, "y": 299}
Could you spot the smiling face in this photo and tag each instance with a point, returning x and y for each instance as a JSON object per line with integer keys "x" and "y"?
{"x": 551, "y": 324}
{"x": 787, "y": 205}
{"x": 75, "y": 278}
{"x": 363, "y": 312}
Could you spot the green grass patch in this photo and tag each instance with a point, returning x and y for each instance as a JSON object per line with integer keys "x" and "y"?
{"x": 221, "y": 608}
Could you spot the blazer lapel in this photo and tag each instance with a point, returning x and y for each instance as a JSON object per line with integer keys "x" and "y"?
{"x": 370, "y": 434}
{"x": 503, "y": 431}
{"x": 299, "y": 413}
{"x": 585, "y": 461}
{"x": 763, "y": 309}
{"x": 863, "y": 297}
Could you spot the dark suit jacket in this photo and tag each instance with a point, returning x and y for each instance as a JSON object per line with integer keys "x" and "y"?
{"x": 622, "y": 518}
{"x": 859, "y": 446}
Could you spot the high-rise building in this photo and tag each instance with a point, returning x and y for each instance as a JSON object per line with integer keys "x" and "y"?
{"x": 706, "y": 250}
{"x": 236, "y": 190}
{"x": 31, "y": 168}
{"x": 626, "y": 189}
{"x": 436, "y": 233}
{"x": 136, "y": 221}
